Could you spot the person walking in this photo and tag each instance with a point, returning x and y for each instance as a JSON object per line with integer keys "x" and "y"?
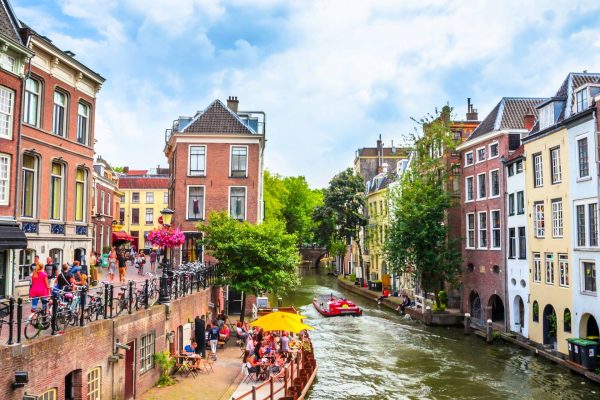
{"x": 213, "y": 339}
{"x": 50, "y": 270}
{"x": 40, "y": 288}
{"x": 112, "y": 263}
{"x": 153, "y": 257}
{"x": 200, "y": 334}
{"x": 122, "y": 257}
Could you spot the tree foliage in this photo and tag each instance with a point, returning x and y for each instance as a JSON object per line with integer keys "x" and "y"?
{"x": 417, "y": 241}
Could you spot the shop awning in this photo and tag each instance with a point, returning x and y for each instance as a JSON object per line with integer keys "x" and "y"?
{"x": 11, "y": 236}
{"x": 121, "y": 237}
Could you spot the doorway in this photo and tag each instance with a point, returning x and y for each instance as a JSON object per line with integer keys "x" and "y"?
{"x": 130, "y": 371}
{"x": 234, "y": 302}
{"x": 73, "y": 385}
{"x": 3, "y": 269}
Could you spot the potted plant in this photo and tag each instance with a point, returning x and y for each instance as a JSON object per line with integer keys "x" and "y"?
{"x": 166, "y": 364}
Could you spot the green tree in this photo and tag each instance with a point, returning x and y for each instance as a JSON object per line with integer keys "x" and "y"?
{"x": 253, "y": 259}
{"x": 417, "y": 240}
{"x": 275, "y": 195}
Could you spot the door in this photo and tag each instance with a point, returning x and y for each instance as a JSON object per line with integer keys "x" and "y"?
{"x": 234, "y": 302}
{"x": 73, "y": 384}
{"x": 3, "y": 263}
{"x": 129, "y": 370}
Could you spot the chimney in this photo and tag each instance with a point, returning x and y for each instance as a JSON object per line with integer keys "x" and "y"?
{"x": 528, "y": 121}
{"x": 379, "y": 155}
{"x": 232, "y": 103}
{"x": 471, "y": 112}
{"x": 126, "y": 170}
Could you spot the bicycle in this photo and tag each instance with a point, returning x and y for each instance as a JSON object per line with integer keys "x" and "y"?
{"x": 38, "y": 321}
{"x": 121, "y": 302}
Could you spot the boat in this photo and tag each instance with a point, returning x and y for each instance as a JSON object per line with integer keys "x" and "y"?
{"x": 331, "y": 306}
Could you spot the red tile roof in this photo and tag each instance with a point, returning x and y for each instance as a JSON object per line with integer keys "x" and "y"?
{"x": 137, "y": 172}
{"x": 143, "y": 182}
{"x": 517, "y": 153}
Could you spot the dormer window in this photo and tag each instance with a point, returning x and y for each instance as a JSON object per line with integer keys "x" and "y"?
{"x": 547, "y": 116}
{"x": 581, "y": 100}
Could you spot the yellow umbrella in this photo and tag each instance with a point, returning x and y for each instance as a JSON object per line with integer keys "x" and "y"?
{"x": 282, "y": 321}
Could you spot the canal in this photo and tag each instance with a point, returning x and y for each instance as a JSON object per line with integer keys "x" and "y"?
{"x": 381, "y": 356}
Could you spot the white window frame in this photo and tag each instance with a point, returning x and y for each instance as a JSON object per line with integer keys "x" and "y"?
{"x": 5, "y": 180}
{"x": 495, "y": 230}
{"x": 563, "y": 270}
{"x": 35, "y": 177}
{"x": 64, "y": 125}
{"x": 537, "y": 267}
{"x": 467, "y": 158}
{"x": 166, "y": 197}
{"x": 557, "y": 218}
{"x": 83, "y": 123}
{"x": 546, "y": 116}
{"x": 491, "y": 195}
{"x": 538, "y": 170}
{"x": 187, "y": 202}
{"x": 490, "y": 156}
{"x": 63, "y": 169}
{"x": 479, "y": 197}
{"x": 477, "y": 159}
{"x": 108, "y": 204}
{"x": 29, "y": 94}
{"x": 549, "y": 268}
{"x": 582, "y": 266}
{"x": 189, "y": 171}
{"x": 555, "y": 168}
{"x": 151, "y": 215}
{"x": 470, "y": 229}
{"x": 6, "y": 132}
{"x": 146, "y": 199}
{"x": 588, "y": 231}
{"x": 467, "y": 199}
{"x": 147, "y": 349}
{"x": 539, "y": 230}
{"x": 587, "y": 154}
{"x": 245, "y": 201}
{"x": 581, "y": 100}
{"x": 231, "y": 160}
{"x": 102, "y": 202}
{"x": 479, "y": 230}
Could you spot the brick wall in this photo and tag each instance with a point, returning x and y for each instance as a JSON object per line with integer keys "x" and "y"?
{"x": 49, "y": 359}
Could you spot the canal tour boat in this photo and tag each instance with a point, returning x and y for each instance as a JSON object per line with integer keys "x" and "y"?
{"x": 332, "y": 306}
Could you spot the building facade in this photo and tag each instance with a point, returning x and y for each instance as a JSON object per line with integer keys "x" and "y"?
{"x": 377, "y": 210}
{"x": 106, "y": 199}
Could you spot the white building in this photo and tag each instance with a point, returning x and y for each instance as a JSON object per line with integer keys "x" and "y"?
{"x": 516, "y": 232}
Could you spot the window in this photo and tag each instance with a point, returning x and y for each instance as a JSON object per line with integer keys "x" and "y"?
{"x": 135, "y": 197}
{"x": 121, "y": 214}
{"x": 237, "y": 202}
{"x": 537, "y": 268}
{"x": 195, "y": 207}
{"x": 30, "y": 165}
{"x": 166, "y": 198}
{"x": 25, "y": 260}
{"x": 481, "y": 186}
{"x": 482, "y": 230}
{"x": 522, "y": 243}
{"x": 56, "y": 255}
{"x": 59, "y": 120}
{"x": 520, "y": 202}
{"x": 470, "y": 231}
{"x": 511, "y": 204}
{"x": 48, "y": 395}
{"x": 581, "y": 100}
{"x": 6, "y": 112}
{"x": 494, "y": 183}
{"x": 495, "y": 217}
{"x": 546, "y": 116}
{"x": 493, "y": 150}
{"x": 80, "y": 195}
{"x": 7, "y": 62}
{"x": 512, "y": 242}
{"x": 4, "y": 178}
{"x": 549, "y": 269}
{"x": 94, "y": 384}
{"x": 468, "y": 159}
{"x": 56, "y": 191}
{"x": 147, "y": 353}
{"x": 102, "y": 202}
{"x": 481, "y": 154}
{"x": 135, "y": 215}
{"x": 197, "y": 160}
{"x": 563, "y": 270}
{"x": 555, "y": 162}
{"x": 582, "y": 156}
{"x": 108, "y": 205}
{"x": 538, "y": 220}
{"x": 593, "y": 221}
{"x": 149, "y": 216}
{"x": 31, "y": 111}
{"x": 567, "y": 320}
{"x": 557, "y": 218}
{"x": 589, "y": 276}
{"x": 135, "y": 234}
{"x": 469, "y": 189}
{"x": 511, "y": 169}
{"x": 122, "y": 199}
{"x": 580, "y": 215}
{"x": 83, "y": 123}
{"x": 239, "y": 156}
{"x": 519, "y": 167}
{"x": 538, "y": 178}
{"x": 149, "y": 197}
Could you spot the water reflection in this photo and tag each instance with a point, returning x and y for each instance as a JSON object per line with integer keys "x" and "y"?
{"x": 380, "y": 356}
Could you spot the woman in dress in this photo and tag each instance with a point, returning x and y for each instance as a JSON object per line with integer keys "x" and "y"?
{"x": 40, "y": 288}
{"x": 112, "y": 263}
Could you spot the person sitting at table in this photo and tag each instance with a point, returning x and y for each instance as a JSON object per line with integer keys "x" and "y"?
{"x": 191, "y": 348}
{"x": 224, "y": 333}
{"x": 253, "y": 365}
{"x": 285, "y": 343}
{"x": 239, "y": 331}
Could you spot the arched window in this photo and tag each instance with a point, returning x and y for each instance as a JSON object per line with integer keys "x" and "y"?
{"x": 57, "y": 257}
{"x": 59, "y": 114}
{"x": 30, "y": 177}
{"x": 536, "y": 312}
{"x": 80, "y": 189}
{"x": 83, "y": 123}
{"x": 49, "y": 395}
{"x": 31, "y": 111}
{"x": 57, "y": 191}
{"x": 567, "y": 320}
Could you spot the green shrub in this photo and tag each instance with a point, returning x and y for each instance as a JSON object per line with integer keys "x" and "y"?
{"x": 166, "y": 364}
{"x": 443, "y": 296}
{"x": 352, "y": 277}
{"x": 441, "y": 308}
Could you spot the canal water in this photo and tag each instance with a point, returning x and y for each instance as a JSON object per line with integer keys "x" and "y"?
{"x": 381, "y": 356}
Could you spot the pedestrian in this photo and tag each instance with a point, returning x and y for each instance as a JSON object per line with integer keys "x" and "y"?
{"x": 36, "y": 262}
{"x": 40, "y": 288}
{"x": 93, "y": 260}
{"x": 153, "y": 257}
{"x": 213, "y": 338}
{"x": 200, "y": 334}
{"x": 50, "y": 270}
{"x": 112, "y": 263}
{"x": 122, "y": 258}
{"x": 141, "y": 260}
{"x": 65, "y": 281}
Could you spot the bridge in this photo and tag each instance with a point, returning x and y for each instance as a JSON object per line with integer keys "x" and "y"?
{"x": 311, "y": 256}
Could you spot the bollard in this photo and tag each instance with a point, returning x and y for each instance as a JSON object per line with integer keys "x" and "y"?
{"x": 146, "y": 294}
{"x": 11, "y": 319}
{"x": 19, "y": 318}
{"x": 105, "y": 308}
{"x": 197, "y": 281}
{"x": 110, "y": 300}
{"x": 54, "y": 312}
{"x": 130, "y": 297}
{"x": 82, "y": 299}
{"x": 428, "y": 317}
{"x": 176, "y": 287}
{"x": 489, "y": 337}
{"x": 467, "y": 323}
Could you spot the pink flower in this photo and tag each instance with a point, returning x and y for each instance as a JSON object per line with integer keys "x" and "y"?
{"x": 166, "y": 237}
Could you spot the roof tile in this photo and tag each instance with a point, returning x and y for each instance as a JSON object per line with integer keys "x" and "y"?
{"x": 217, "y": 118}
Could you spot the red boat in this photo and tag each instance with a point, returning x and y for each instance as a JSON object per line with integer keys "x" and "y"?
{"x": 331, "y": 306}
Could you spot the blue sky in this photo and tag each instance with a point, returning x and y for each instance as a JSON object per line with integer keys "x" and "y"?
{"x": 331, "y": 75}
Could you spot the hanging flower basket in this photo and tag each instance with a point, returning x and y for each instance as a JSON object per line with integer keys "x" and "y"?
{"x": 166, "y": 237}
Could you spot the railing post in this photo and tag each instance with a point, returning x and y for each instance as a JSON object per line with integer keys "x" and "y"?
{"x": 467, "y": 323}
{"x": 146, "y": 293}
{"x": 204, "y": 277}
{"x": 54, "y": 312}
{"x": 271, "y": 388}
{"x": 285, "y": 381}
{"x": 253, "y": 392}
{"x": 130, "y": 295}
{"x": 176, "y": 286}
{"x": 19, "y": 318}
{"x": 489, "y": 332}
{"x": 110, "y": 299}
{"x": 82, "y": 298}
{"x": 105, "y": 302}
{"x": 11, "y": 319}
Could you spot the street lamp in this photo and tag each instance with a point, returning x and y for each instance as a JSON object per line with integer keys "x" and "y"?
{"x": 166, "y": 216}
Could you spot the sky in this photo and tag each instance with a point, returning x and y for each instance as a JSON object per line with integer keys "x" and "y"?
{"x": 331, "y": 75}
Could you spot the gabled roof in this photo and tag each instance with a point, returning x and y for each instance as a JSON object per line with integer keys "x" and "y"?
{"x": 518, "y": 153}
{"x": 507, "y": 114}
{"x": 143, "y": 182}
{"x": 217, "y": 118}
{"x": 9, "y": 24}
{"x": 379, "y": 181}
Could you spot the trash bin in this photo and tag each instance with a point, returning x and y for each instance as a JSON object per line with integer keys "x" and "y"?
{"x": 589, "y": 350}
{"x": 570, "y": 346}
{"x": 576, "y": 350}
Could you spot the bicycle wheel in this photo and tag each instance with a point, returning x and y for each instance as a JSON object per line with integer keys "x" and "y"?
{"x": 62, "y": 320}
{"x": 154, "y": 295}
{"x": 118, "y": 306}
{"x": 33, "y": 327}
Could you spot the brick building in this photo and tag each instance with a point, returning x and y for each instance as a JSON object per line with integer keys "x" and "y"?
{"x": 56, "y": 155}
{"x": 483, "y": 207}
{"x": 13, "y": 57}
{"x": 106, "y": 200}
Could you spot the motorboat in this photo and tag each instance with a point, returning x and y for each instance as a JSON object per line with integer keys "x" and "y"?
{"x": 331, "y": 306}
